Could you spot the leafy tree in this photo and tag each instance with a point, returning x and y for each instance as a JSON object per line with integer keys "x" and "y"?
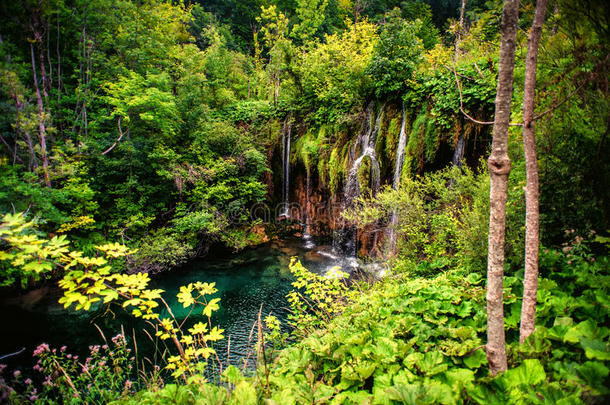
{"x": 396, "y": 55}
{"x": 334, "y": 73}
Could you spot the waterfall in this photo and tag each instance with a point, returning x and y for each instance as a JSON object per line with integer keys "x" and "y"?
{"x": 286, "y": 164}
{"x": 400, "y": 159}
{"x": 365, "y": 146}
{"x": 458, "y": 153}
{"x": 307, "y": 205}
{"x": 366, "y": 140}
{"x": 309, "y": 244}
{"x": 400, "y": 152}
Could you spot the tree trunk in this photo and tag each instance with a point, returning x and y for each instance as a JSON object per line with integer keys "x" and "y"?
{"x": 530, "y": 282}
{"x": 41, "y": 120}
{"x": 460, "y": 30}
{"x": 499, "y": 168}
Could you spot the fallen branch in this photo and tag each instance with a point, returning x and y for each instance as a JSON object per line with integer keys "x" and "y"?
{"x": 6, "y": 356}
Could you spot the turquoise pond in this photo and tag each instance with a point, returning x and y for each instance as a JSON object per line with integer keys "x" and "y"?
{"x": 249, "y": 281}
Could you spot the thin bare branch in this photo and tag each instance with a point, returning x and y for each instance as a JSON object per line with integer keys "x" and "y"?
{"x": 562, "y": 102}
{"x": 118, "y": 140}
{"x": 476, "y": 121}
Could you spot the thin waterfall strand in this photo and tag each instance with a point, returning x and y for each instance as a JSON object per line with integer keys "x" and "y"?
{"x": 400, "y": 159}
{"x": 286, "y": 165}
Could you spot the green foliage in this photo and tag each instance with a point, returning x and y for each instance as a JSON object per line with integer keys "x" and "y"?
{"x": 25, "y": 255}
{"x": 162, "y": 251}
{"x": 334, "y": 73}
{"x": 416, "y": 340}
{"x": 443, "y": 220}
{"x": 310, "y": 14}
{"x": 317, "y": 299}
{"x": 396, "y": 55}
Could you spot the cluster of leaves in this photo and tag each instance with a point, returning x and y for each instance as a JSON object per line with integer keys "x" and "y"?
{"x": 28, "y": 256}
{"x": 194, "y": 347}
{"x": 316, "y": 298}
{"x": 235, "y": 390}
{"x": 70, "y": 205}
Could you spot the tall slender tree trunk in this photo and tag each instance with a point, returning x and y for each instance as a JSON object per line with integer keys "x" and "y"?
{"x": 532, "y": 242}
{"x": 460, "y": 30}
{"x": 41, "y": 126}
{"x": 499, "y": 168}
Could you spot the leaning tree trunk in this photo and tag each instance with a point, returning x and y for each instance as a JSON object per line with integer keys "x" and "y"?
{"x": 499, "y": 168}
{"x": 530, "y": 282}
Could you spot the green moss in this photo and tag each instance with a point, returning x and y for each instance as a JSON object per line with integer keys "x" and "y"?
{"x": 415, "y": 146}
{"x": 335, "y": 169}
{"x": 273, "y": 131}
{"x": 391, "y": 140}
{"x": 431, "y": 140}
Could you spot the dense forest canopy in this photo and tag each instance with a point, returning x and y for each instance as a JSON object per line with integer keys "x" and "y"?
{"x": 138, "y": 135}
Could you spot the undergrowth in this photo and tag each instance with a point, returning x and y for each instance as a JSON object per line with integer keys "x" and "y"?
{"x": 421, "y": 341}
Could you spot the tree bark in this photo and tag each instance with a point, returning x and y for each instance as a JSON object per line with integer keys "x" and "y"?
{"x": 41, "y": 119}
{"x": 17, "y": 96}
{"x": 532, "y": 237}
{"x": 499, "y": 169}
{"x": 461, "y": 27}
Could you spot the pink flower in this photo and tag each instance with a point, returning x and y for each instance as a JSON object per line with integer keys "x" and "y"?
{"x": 28, "y": 382}
{"x": 118, "y": 340}
{"x": 16, "y": 373}
{"x": 43, "y": 347}
{"x": 63, "y": 348}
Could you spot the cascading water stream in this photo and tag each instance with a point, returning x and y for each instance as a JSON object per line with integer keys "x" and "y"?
{"x": 400, "y": 159}
{"x": 286, "y": 165}
{"x": 366, "y": 141}
{"x": 309, "y": 244}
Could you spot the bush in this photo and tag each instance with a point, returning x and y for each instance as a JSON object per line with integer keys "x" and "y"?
{"x": 443, "y": 220}
{"x": 160, "y": 251}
